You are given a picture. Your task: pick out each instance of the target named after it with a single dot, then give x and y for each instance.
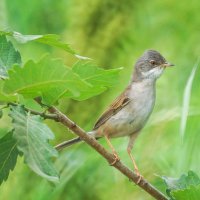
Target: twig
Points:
(60, 117)
(42, 114)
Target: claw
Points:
(138, 175)
(117, 159)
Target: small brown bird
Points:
(129, 112)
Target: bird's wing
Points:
(121, 101)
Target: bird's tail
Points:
(73, 141)
(68, 143)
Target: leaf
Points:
(8, 56)
(32, 137)
(52, 80)
(47, 78)
(49, 39)
(4, 97)
(96, 75)
(183, 184)
(8, 155)
(99, 78)
(191, 193)
(186, 100)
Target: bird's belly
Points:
(129, 120)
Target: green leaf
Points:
(191, 193)
(183, 185)
(8, 56)
(49, 39)
(99, 78)
(31, 104)
(52, 80)
(47, 78)
(32, 137)
(186, 99)
(183, 182)
(8, 155)
(4, 97)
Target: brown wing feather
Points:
(121, 101)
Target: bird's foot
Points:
(116, 159)
(139, 176)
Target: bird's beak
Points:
(167, 64)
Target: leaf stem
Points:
(42, 114)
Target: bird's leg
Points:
(113, 150)
(129, 148)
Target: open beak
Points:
(167, 64)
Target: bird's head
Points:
(150, 66)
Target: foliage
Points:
(51, 80)
(5, 97)
(49, 39)
(99, 78)
(32, 137)
(31, 80)
(9, 154)
(115, 34)
(187, 187)
(8, 56)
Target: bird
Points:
(129, 112)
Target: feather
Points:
(121, 101)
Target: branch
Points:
(91, 141)
(42, 114)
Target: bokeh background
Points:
(114, 33)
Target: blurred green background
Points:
(114, 34)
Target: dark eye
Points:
(153, 62)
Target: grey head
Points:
(150, 66)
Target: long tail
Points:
(74, 141)
(68, 143)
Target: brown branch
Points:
(58, 116)
(91, 141)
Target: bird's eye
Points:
(153, 62)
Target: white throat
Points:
(153, 73)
